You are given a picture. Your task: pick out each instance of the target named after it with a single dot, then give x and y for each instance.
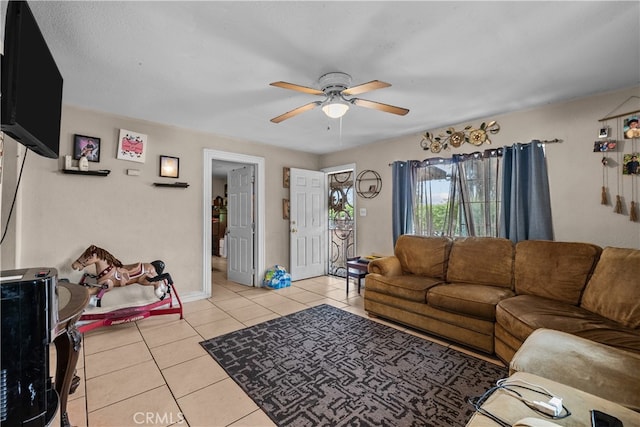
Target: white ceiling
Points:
(207, 65)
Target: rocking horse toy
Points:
(111, 273)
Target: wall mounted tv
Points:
(31, 84)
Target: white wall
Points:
(60, 215)
(575, 171)
(63, 214)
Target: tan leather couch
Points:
(490, 294)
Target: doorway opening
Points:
(214, 159)
(342, 224)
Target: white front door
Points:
(240, 225)
(308, 223)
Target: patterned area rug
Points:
(325, 366)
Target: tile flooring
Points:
(154, 372)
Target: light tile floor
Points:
(155, 373)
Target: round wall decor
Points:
(368, 184)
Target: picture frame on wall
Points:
(88, 146)
(631, 128)
(132, 146)
(169, 167)
(631, 164)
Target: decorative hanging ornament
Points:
(618, 208)
(604, 200)
(632, 166)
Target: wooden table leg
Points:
(347, 280)
(68, 350)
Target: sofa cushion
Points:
(423, 255)
(472, 300)
(469, 261)
(409, 287)
(554, 270)
(589, 366)
(523, 314)
(613, 290)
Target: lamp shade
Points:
(335, 109)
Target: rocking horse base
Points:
(132, 314)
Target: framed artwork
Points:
(285, 208)
(88, 146)
(604, 145)
(631, 164)
(169, 167)
(286, 173)
(631, 128)
(132, 146)
(604, 132)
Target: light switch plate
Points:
(363, 211)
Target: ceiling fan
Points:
(335, 87)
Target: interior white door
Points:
(308, 223)
(240, 225)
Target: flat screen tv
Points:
(31, 84)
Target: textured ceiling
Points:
(207, 65)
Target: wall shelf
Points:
(101, 172)
(173, 185)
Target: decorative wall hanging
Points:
(629, 128)
(132, 146)
(169, 167)
(88, 146)
(630, 164)
(368, 184)
(455, 138)
(604, 145)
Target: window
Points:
(458, 196)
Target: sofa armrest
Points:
(386, 266)
(595, 368)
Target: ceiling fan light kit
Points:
(335, 87)
(335, 108)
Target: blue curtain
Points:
(402, 198)
(526, 204)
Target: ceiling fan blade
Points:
(296, 111)
(365, 87)
(298, 88)
(380, 106)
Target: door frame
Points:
(337, 169)
(209, 155)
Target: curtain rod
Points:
(549, 141)
(545, 141)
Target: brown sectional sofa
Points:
(490, 294)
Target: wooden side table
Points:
(72, 300)
(357, 269)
